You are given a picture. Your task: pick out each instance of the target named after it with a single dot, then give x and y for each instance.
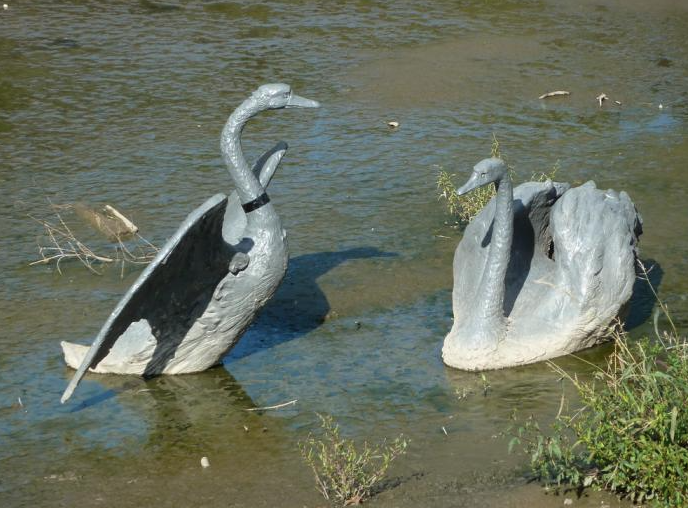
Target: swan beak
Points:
(297, 101)
(473, 183)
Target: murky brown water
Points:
(123, 102)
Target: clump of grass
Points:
(344, 474)
(478, 383)
(464, 208)
(630, 435)
(542, 176)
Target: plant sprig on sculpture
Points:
(344, 474)
(465, 207)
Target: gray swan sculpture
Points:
(541, 272)
(206, 285)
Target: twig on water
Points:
(63, 244)
(554, 94)
(278, 406)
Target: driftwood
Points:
(108, 221)
(554, 94)
(63, 244)
(278, 406)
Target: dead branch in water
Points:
(63, 244)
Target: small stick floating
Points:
(554, 94)
(278, 406)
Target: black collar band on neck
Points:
(261, 200)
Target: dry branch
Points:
(278, 406)
(554, 94)
(63, 244)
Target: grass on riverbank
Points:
(630, 435)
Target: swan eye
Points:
(482, 175)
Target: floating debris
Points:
(278, 406)
(68, 476)
(600, 98)
(393, 125)
(60, 242)
(618, 103)
(554, 94)
(5, 7)
(109, 221)
(205, 462)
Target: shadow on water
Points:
(299, 305)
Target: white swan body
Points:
(540, 272)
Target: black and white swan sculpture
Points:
(541, 272)
(206, 285)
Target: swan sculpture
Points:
(541, 272)
(206, 285)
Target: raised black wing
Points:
(183, 274)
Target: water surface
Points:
(123, 104)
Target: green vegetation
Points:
(344, 474)
(631, 434)
(464, 208)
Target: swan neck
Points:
(492, 284)
(248, 187)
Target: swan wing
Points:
(595, 235)
(171, 286)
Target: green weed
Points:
(464, 208)
(630, 435)
(344, 474)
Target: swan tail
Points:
(595, 235)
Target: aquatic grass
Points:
(630, 435)
(344, 474)
(464, 208)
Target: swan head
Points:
(486, 171)
(278, 96)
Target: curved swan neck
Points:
(247, 185)
(492, 283)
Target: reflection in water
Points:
(185, 411)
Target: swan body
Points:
(541, 272)
(207, 284)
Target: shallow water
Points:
(123, 104)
